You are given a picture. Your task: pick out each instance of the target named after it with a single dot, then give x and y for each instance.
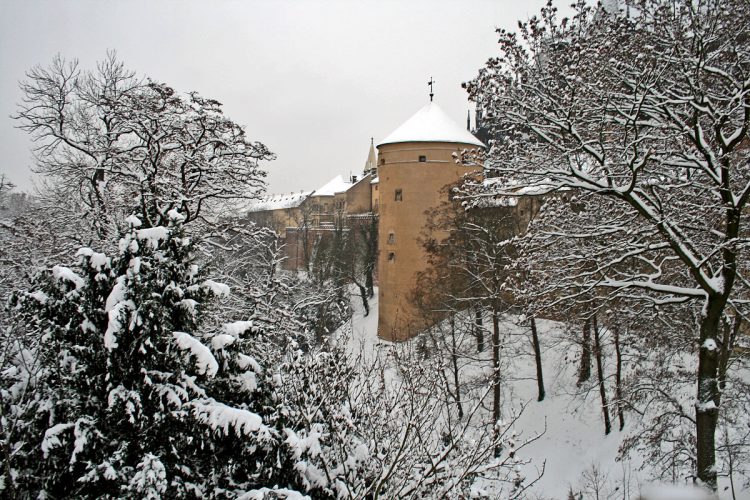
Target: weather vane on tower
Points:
(430, 84)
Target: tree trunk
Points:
(727, 344)
(707, 408)
(618, 378)
(538, 358)
(478, 327)
(369, 282)
(600, 376)
(363, 295)
(496, 372)
(585, 371)
(454, 360)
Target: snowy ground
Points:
(573, 446)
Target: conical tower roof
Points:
(372, 158)
(431, 124)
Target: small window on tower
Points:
(399, 195)
(422, 159)
(391, 238)
(391, 256)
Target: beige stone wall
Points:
(358, 199)
(323, 209)
(421, 185)
(375, 197)
(278, 220)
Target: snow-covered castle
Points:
(401, 181)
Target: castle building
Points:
(407, 177)
(416, 164)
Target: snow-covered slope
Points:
(573, 449)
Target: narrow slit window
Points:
(399, 195)
(391, 256)
(391, 238)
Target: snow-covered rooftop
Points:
(431, 124)
(277, 202)
(335, 185)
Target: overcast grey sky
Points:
(313, 80)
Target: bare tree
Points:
(648, 114)
(537, 360)
(123, 144)
(409, 442)
(600, 375)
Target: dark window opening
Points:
(422, 159)
(399, 195)
(391, 256)
(391, 238)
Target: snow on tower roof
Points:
(431, 124)
(335, 185)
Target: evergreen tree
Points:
(134, 400)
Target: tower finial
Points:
(431, 90)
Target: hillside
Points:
(572, 448)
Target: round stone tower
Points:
(415, 164)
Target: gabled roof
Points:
(431, 124)
(276, 202)
(335, 185)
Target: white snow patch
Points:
(244, 361)
(225, 418)
(67, 274)
(276, 202)
(150, 479)
(335, 185)
(115, 306)
(267, 493)
(431, 124)
(218, 289)
(117, 294)
(301, 443)
(88, 326)
(97, 260)
(237, 328)
(193, 270)
(249, 381)
(710, 344)
(52, 437)
(674, 492)
(189, 305)
(359, 456)
(114, 324)
(133, 221)
(39, 296)
(175, 215)
(153, 235)
(703, 407)
(204, 359)
(222, 340)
